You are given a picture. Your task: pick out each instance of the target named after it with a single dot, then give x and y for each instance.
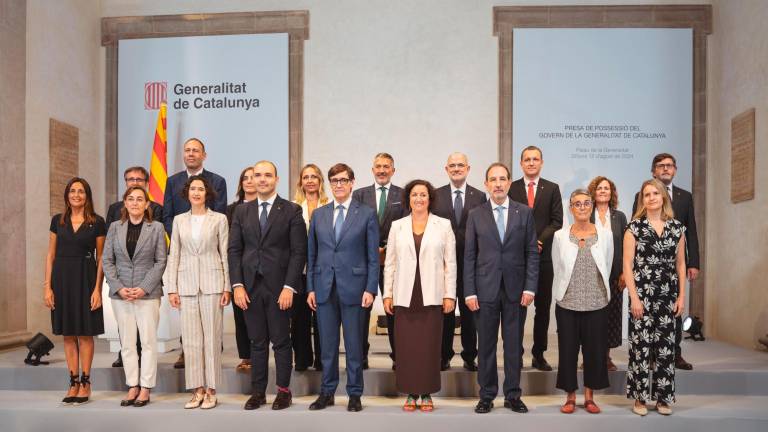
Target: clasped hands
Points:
(131, 294)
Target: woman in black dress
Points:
(654, 255)
(606, 215)
(72, 284)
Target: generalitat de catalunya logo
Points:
(155, 93)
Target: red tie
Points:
(530, 194)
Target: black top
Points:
(132, 237)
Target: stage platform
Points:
(727, 391)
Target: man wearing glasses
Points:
(664, 168)
(133, 176)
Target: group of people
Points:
(319, 261)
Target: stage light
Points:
(38, 346)
(693, 326)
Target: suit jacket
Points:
(547, 210)
(352, 263)
(487, 259)
(394, 210)
(618, 226)
(564, 253)
(113, 213)
(682, 205)
(146, 268)
(278, 254)
(443, 207)
(436, 262)
(202, 268)
(175, 204)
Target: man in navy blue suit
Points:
(173, 202)
(342, 279)
(501, 270)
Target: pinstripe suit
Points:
(199, 273)
(144, 271)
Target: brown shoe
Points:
(680, 363)
(282, 401)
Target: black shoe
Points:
(84, 380)
(74, 381)
(540, 363)
(354, 404)
(516, 405)
(445, 365)
(282, 401)
(470, 365)
(365, 364)
(680, 363)
(129, 402)
(318, 365)
(141, 403)
(393, 365)
(322, 401)
(179, 362)
(256, 400)
(118, 362)
(484, 406)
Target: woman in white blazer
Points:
(582, 255)
(134, 260)
(197, 283)
(419, 287)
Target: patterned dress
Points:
(653, 335)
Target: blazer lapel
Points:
(491, 222)
(274, 214)
(143, 235)
(512, 213)
(429, 231)
(539, 192)
(122, 232)
(354, 208)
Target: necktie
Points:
(382, 203)
(669, 191)
(531, 196)
(458, 207)
(339, 222)
(263, 216)
(500, 221)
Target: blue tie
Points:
(500, 221)
(263, 216)
(458, 207)
(339, 222)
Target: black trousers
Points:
(504, 311)
(367, 319)
(588, 332)
(241, 334)
(542, 301)
(301, 333)
(678, 336)
(468, 330)
(267, 323)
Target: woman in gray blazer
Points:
(134, 261)
(197, 282)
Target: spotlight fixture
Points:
(38, 346)
(693, 326)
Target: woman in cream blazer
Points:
(197, 282)
(419, 287)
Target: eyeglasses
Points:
(341, 181)
(135, 180)
(581, 204)
(665, 165)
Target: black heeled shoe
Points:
(141, 403)
(129, 402)
(79, 400)
(74, 381)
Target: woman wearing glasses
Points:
(582, 255)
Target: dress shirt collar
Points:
(463, 190)
(346, 203)
(534, 180)
(270, 200)
(494, 206)
(198, 172)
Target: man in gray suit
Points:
(501, 269)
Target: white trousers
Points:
(201, 334)
(141, 315)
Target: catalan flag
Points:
(158, 167)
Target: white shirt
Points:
(462, 189)
(505, 216)
(198, 172)
(378, 194)
(599, 222)
(535, 185)
(196, 222)
(669, 191)
(346, 205)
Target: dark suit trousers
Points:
(330, 316)
(390, 324)
(543, 302)
(301, 330)
(241, 333)
(468, 330)
(267, 323)
(504, 311)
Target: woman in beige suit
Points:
(197, 281)
(419, 287)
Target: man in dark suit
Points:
(664, 168)
(342, 274)
(386, 200)
(454, 201)
(267, 252)
(544, 198)
(173, 202)
(501, 266)
(133, 176)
